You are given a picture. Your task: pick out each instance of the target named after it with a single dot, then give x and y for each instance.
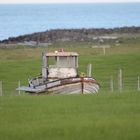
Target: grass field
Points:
(104, 116)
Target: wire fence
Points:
(9, 88)
(126, 84)
(118, 83)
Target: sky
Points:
(64, 1)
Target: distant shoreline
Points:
(64, 35)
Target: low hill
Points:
(72, 35)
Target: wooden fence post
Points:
(89, 70)
(104, 51)
(0, 88)
(111, 84)
(138, 84)
(120, 80)
(19, 87)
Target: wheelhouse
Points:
(60, 64)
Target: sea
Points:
(21, 19)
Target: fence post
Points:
(0, 88)
(89, 70)
(111, 84)
(104, 51)
(138, 84)
(19, 87)
(120, 80)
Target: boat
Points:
(60, 76)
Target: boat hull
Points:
(75, 88)
(81, 85)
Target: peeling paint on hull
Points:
(81, 85)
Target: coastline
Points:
(72, 35)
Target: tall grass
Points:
(102, 116)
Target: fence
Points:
(108, 83)
(9, 88)
(120, 83)
(0, 88)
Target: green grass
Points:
(102, 116)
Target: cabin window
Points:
(52, 61)
(72, 61)
(63, 61)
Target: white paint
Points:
(62, 72)
(52, 84)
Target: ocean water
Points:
(23, 19)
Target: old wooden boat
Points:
(60, 76)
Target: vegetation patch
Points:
(103, 116)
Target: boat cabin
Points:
(59, 64)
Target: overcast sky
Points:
(64, 1)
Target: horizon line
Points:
(70, 2)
